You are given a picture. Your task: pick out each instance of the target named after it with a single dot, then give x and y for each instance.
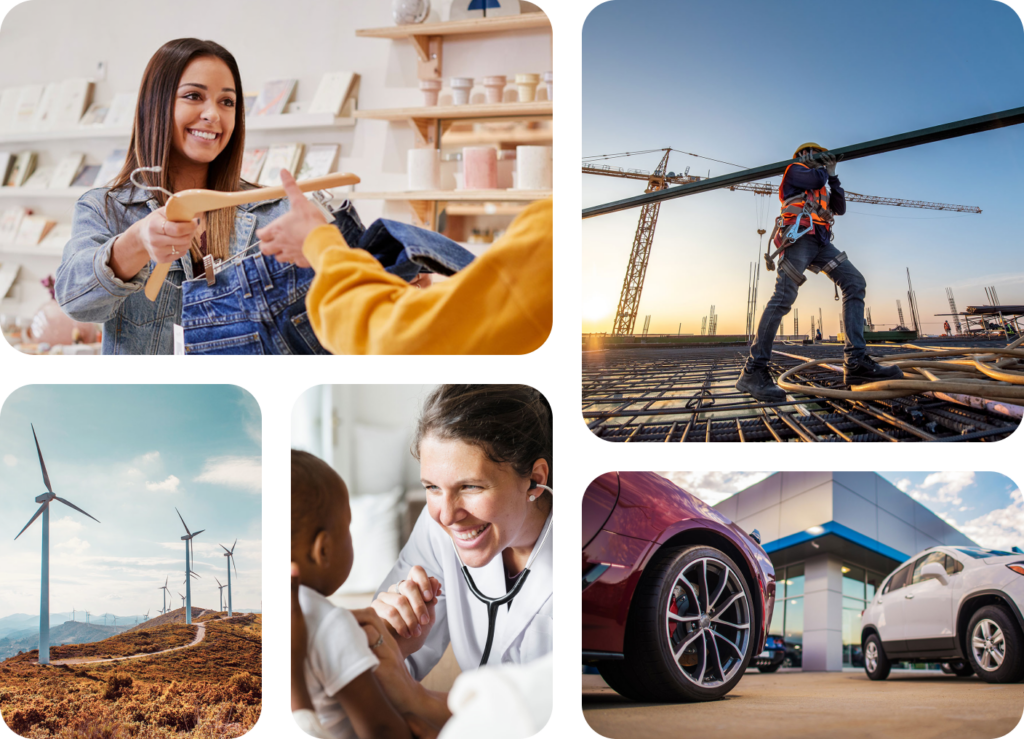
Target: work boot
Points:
(759, 383)
(866, 369)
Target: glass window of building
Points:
(858, 589)
(788, 617)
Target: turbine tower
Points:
(183, 605)
(220, 592)
(165, 594)
(188, 567)
(230, 554)
(44, 590)
(146, 617)
(87, 617)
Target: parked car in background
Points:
(772, 656)
(960, 606)
(676, 598)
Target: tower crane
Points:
(636, 270)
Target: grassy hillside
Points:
(211, 690)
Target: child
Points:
(339, 664)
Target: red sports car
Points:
(676, 598)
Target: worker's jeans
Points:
(806, 251)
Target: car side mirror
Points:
(934, 571)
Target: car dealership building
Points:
(833, 537)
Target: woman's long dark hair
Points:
(511, 423)
(153, 134)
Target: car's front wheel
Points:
(995, 646)
(876, 664)
(689, 630)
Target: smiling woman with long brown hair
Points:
(189, 121)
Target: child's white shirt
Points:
(336, 654)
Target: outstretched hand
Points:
(283, 237)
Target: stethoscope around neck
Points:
(493, 604)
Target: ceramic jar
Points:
(527, 84)
(533, 167)
(461, 87)
(495, 86)
(409, 11)
(430, 89)
(480, 166)
(424, 169)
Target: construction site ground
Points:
(687, 394)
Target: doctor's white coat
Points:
(522, 633)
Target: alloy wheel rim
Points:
(708, 622)
(988, 645)
(871, 657)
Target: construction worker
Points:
(806, 200)
(948, 330)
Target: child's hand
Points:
(408, 609)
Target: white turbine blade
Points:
(233, 546)
(183, 521)
(69, 503)
(234, 565)
(224, 548)
(199, 532)
(46, 478)
(41, 509)
(166, 578)
(218, 582)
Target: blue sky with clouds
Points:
(128, 455)
(986, 506)
(746, 82)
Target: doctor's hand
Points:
(400, 687)
(408, 609)
(283, 237)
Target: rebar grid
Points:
(687, 394)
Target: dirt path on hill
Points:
(200, 635)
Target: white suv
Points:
(960, 606)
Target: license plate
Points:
(767, 654)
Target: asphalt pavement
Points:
(790, 704)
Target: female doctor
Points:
(485, 534)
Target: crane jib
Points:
(966, 127)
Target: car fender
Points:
(962, 618)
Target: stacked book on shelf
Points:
(21, 227)
(20, 170)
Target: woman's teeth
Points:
(470, 535)
(205, 135)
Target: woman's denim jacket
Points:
(88, 290)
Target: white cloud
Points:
(170, 485)
(235, 472)
(714, 487)
(904, 484)
(949, 485)
(149, 457)
(999, 529)
(74, 545)
(65, 526)
(10, 460)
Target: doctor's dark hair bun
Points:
(511, 423)
(317, 490)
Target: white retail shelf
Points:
(30, 250)
(35, 193)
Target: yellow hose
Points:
(989, 379)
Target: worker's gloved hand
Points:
(828, 161)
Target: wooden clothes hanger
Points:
(185, 205)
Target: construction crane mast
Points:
(640, 254)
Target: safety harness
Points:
(812, 206)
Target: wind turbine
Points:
(115, 620)
(73, 612)
(188, 568)
(146, 618)
(44, 594)
(230, 554)
(183, 605)
(87, 617)
(220, 592)
(165, 592)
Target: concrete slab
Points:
(791, 704)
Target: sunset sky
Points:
(742, 82)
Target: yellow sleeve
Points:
(499, 304)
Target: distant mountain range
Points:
(69, 632)
(20, 626)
